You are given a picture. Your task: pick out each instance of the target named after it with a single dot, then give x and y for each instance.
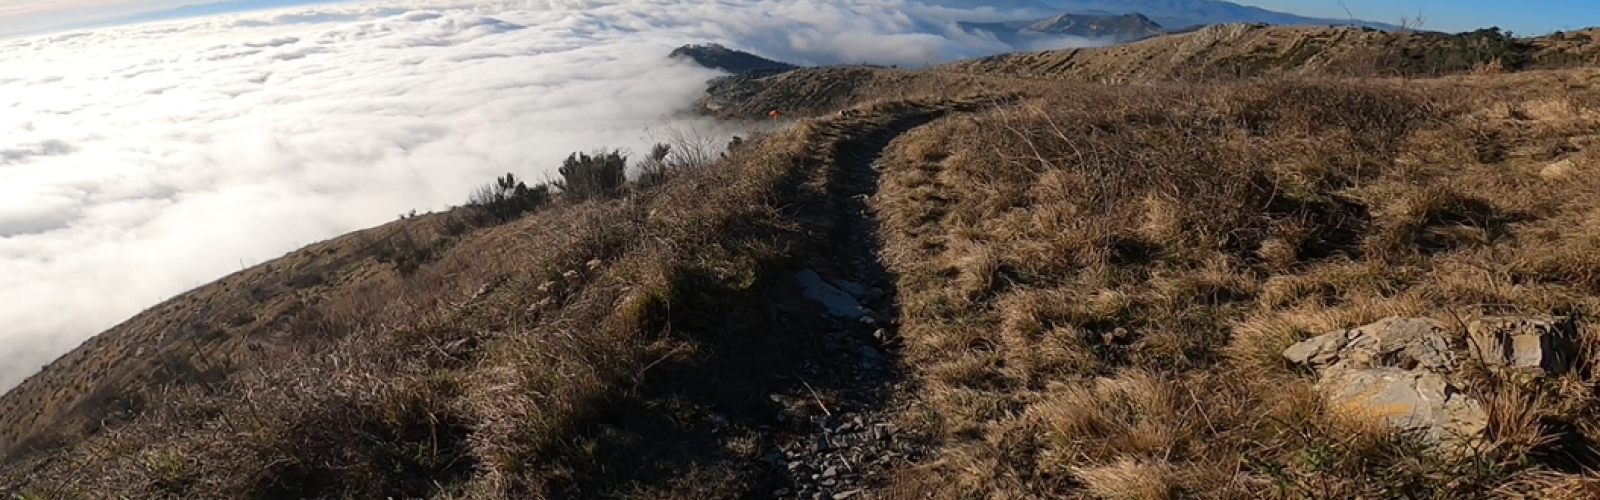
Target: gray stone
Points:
(838, 303)
(1412, 400)
(1533, 345)
(856, 290)
(873, 294)
(1389, 342)
(843, 495)
(868, 352)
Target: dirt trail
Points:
(838, 445)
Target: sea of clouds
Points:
(138, 162)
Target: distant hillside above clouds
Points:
(1186, 14)
(1168, 16)
(1218, 51)
(1115, 29)
(716, 56)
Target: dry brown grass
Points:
(1094, 282)
(612, 348)
(1097, 283)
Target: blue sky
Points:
(1524, 17)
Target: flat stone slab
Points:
(1393, 341)
(838, 303)
(1410, 400)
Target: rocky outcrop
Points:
(1399, 370)
(1395, 370)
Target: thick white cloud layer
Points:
(138, 162)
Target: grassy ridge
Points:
(1094, 284)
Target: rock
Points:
(1535, 345)
(854, 289)
(1412, 400)
(843, 495)
(1395, 370)
(869, 353)
(873, 294)
(1558, 169)
(831, 472)
(839, 304)
(1389, 342)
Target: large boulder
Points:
(1391, 342)
(1524, 345)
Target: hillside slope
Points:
(1215, 52)
(1241, 50)
(1098, 285)
(1051, 288)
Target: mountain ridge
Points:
(1050, 262)
(1184, 14)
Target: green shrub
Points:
(508, 198)
(601, 175)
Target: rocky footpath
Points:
(841, 444)
(834, 450)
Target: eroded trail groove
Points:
(839, 444)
